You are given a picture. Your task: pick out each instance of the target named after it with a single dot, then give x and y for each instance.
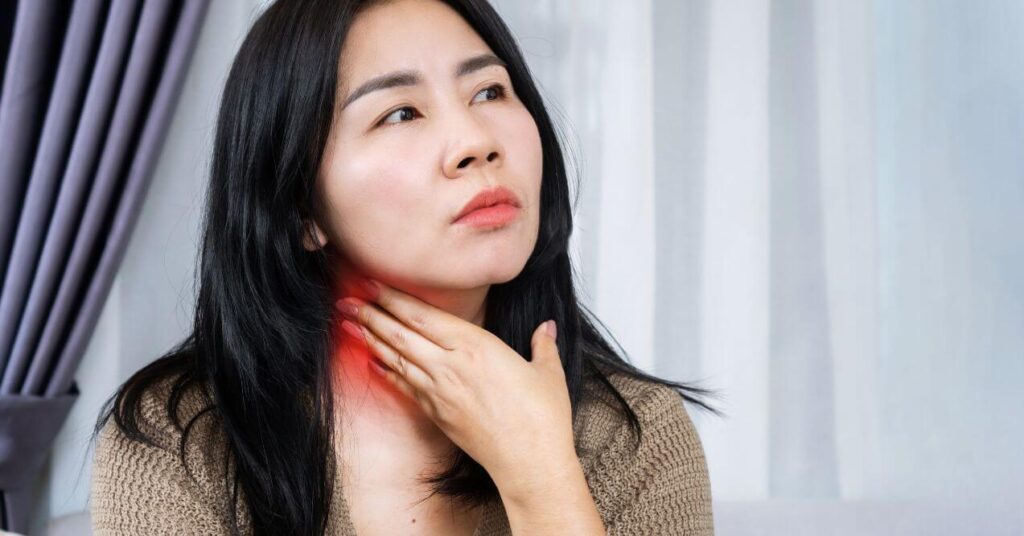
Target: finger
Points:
(406, 341)
(439, 326)
(544, 348)
(399, 370)
(393, 378)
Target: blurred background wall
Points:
(810, 205)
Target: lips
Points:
(488, 198)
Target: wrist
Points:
(558, 503)
(543, 483)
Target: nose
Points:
(473, 146)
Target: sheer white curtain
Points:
(810, 205)
(813, 206)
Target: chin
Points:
(496, 261)
(509, 268)
(492, 269)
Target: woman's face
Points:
(402, 161)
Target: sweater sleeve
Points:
(142, 489)
(670, 489)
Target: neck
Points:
(371, 410)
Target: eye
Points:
(385, 121)
(497, 89)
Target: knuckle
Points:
(419, 321)
(449, 375)
(470, 347)
(398, 339)
(476, 350)
(466, 355)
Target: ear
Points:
(313, 234)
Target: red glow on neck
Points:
(352, 360)
(350, 354)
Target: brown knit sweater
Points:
(662, 489)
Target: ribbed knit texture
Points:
(661, 489)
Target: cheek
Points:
(525, 149)
(375, 195)
(377, 179)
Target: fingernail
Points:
(552, 329)
(352, 329)
(347, 308)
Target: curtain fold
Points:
(801, 393)
(83, 113)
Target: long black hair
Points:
(260, 342)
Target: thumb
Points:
(544, 345)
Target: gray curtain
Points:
(87, 89)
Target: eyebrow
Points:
(412, 78)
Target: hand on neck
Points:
(374, 409)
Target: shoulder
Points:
(658, 408)
(162, 412)
(663, 478)
(143, 484)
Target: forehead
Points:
(424, 35)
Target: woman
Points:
(359, 322)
